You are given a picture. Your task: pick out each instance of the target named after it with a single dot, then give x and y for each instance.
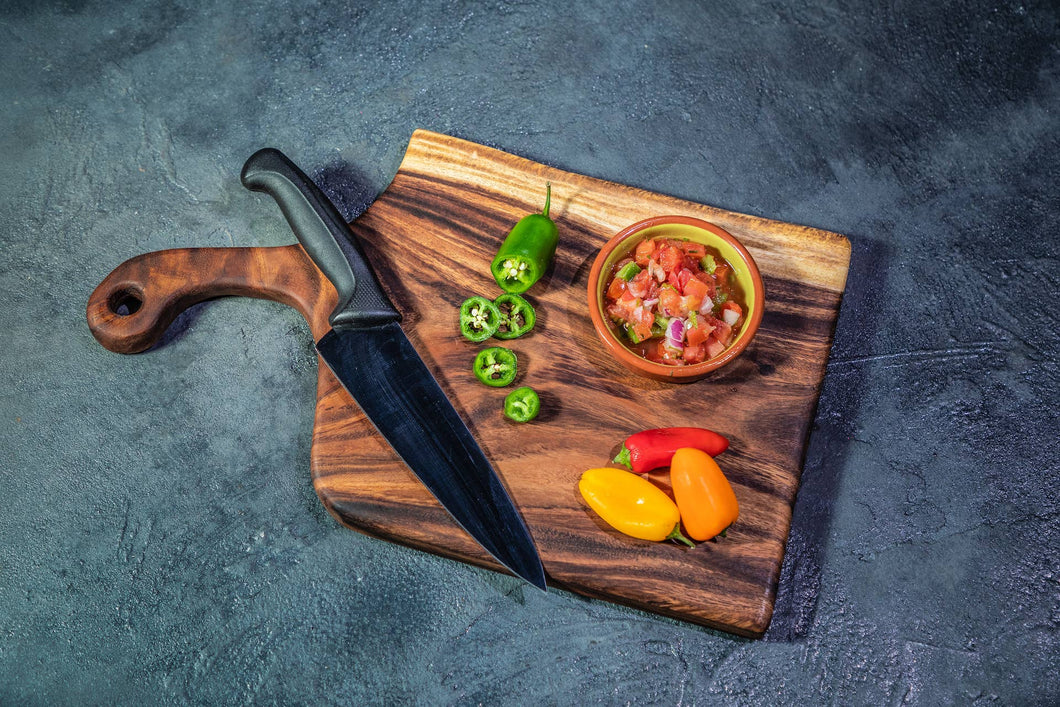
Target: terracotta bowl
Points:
(748, 279)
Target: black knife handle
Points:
(325, 236)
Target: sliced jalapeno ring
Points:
(516, 316)
(479, 319)
(522, 404)
(496, 366)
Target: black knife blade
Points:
(377, 364)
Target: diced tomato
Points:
(714, 347)
(698, 334)
(683, 276)
(618, 311)
(640, 283)
(721, 274)
(623, 307)
(695, 291)
(652, 350)
(694, 354)
(674, 279)
(642, 322)
(669, 357)
(707, 280)
(695, 287)
(616, 288)
(732, 306)
(630, 310)
(644, 252)
(723, 332)
(670, 258)
(693, 249)
(671, 304)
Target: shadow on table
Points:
(842, 394)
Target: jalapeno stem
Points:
(548, 198)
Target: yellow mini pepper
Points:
(632, 505)
(706, 501)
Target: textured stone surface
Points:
(160, 541)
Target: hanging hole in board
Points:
(125, 302)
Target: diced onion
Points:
(675, 333)
(656, 271)
(707, 306)
(730, 316)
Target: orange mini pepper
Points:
(704, 497)
(632, 505)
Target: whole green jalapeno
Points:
(527, 251)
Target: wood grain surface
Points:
(430, 236)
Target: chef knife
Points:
(377, 364)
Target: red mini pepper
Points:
(652, 449)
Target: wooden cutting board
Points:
(430, 236)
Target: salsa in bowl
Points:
(675, 297)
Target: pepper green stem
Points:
(676, 534)
(623, 458)
(548, 198)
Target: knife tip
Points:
(536, 579)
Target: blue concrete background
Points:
(160, 541)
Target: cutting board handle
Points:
(133, 306)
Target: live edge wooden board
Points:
(430, 236)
